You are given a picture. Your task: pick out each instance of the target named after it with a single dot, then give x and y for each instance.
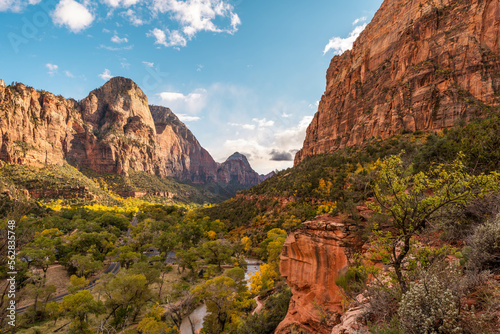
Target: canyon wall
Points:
(112, 130)
(418, 65)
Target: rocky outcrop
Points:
(36, 127)
(418, 65)
(310, 261)
(112, 130)
(236, 169)
(120, 132)
(182, 155)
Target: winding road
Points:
(113, 267)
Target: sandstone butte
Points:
(113, 129)
(418, 65)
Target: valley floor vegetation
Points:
(429, 260)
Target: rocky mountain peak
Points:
(236, 168)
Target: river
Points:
(201, 311)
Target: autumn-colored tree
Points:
(413, 200)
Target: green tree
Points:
(79, 306)
(84, 265)
(223, 300)
(413, 200)
(217, 252)
(126, 294)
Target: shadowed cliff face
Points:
(183, 156)
(419, 65)
(110, 131)
(237, 169)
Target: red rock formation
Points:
(112, 130)
(310, 261)
(418, 65)
(182, 155)
(237, 169)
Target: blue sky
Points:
(244, 75)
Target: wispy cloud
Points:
(148, 64)
(69, 74)
(167, 38)
(16, 5)
(120, 3)
(188, 118)
(359, 19)
(113, 48)
(131, 15)
(118, 40)
(106, 75)
(340, 45)
(191, 103)
(52, 68)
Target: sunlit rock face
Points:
(418, 65)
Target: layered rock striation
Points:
(418, 65)
(310, 261)
(112, 130)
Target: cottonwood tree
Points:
(413, 200)
(79, 306)
(224, 302)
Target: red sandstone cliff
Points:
(418, 65)
(112, 130)
(310, 261)
(183, 156)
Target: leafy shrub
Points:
(429, 307)
(485, 246)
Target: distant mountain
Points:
(112, 130)
(236, 169)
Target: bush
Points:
(429, 307)
(485, 246)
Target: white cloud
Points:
(174, 37)
(133, 18)
(148, 64)
(72, 14)
(244, 126)
(106, 75)
(16, 5)
(188, 118)
(120, 3)
(263, 122)
(194, 16)
(112, 48)
(340, 45)
(359, 19)
(118, 40)
(69, 74)
(199, 68)
(52, 68)
(191, 103)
